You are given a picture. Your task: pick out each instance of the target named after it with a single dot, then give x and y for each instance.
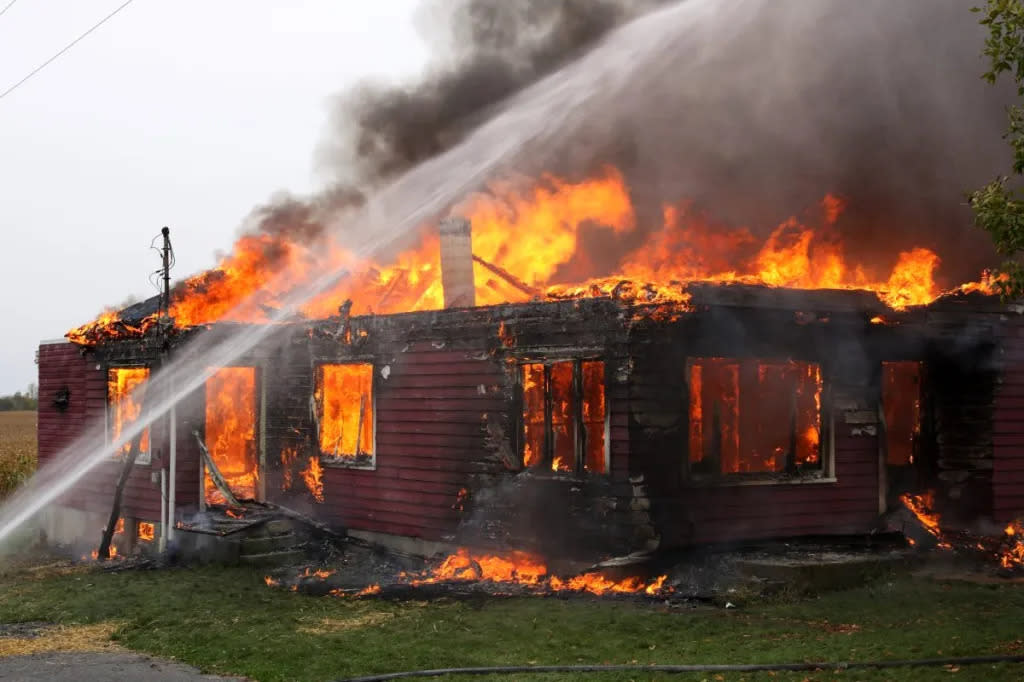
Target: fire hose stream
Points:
(694, 668)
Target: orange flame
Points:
(288, 457)
(313, 476)
(554, 222)
(147, 531)
(344, 399)
(1012, 557)
(522, 568)
(231, 431)
(126, 387)
(922, 506)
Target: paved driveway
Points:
(98, 667)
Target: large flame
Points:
(522, 568)
(231, 431)
(126, 387)
(923, 507)
(313, 476)
(344, 400)
(537, 242)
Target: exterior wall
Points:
(848, 505)
(447, 466)
(84, 374)
(689, 511)
(429, 439)
(62, 365)
(1008, 425)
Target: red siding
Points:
(429, 438)
(1008, 427)
(63, 364)
(731, 513)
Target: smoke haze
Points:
(753, 110)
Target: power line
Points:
(66, 47)
(4, 10)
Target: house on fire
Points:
(574, 427)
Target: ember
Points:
(1013, 556)
(147, 531)
(288, 457)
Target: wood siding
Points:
(1008, 426)
(65, 364)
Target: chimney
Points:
(457, 263)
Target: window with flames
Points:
(564, 418)
(126, 387)
(345, 413)
(755, 416)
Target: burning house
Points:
(714, 390)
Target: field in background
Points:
(17, 449)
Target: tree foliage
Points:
(19, 401)
(998, 206)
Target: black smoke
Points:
(753, 110)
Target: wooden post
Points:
(115, 510)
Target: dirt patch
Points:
(328, 626)
(23, 639)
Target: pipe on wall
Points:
(173, 418)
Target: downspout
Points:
(174, 473)
(163, 510)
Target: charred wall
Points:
(963, 370)
(447, 463)
(739, 323)
(1008, 419)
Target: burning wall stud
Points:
(126, 387)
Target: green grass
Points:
(227, 621)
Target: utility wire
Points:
(4, 10)
(66, 47)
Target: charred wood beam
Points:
(215, 475)
(115, 509)
(510, 278)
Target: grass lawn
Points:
(228, 621)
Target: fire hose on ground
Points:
(694, 668)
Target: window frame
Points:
(145, 457)
(826, 473)
(579, 425)
(369, 462)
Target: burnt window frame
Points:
(260, 396)
(579, 441)
(826, 473)
(144, 458)
(363, 461)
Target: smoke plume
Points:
(753, 110)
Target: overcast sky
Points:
(184, 113)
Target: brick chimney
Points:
(457, 263)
